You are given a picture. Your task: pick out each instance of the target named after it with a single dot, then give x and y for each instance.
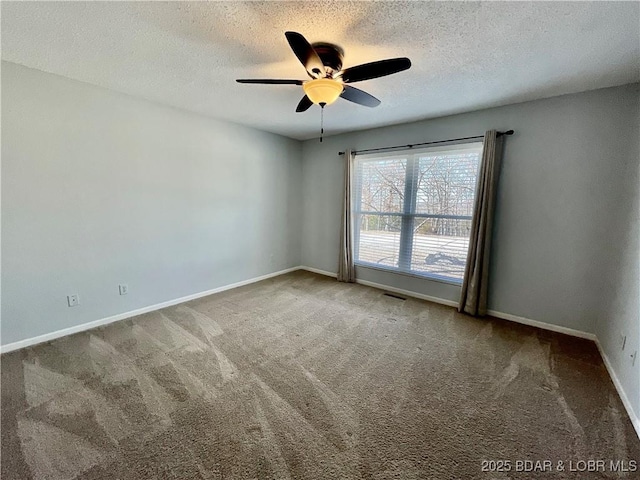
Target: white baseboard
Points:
(505, 316)
(543, 325)
(121, 316)
(408, 293)
(523, 320)
(451, 303)
(318, 271)
(635, 420)
(386, 288)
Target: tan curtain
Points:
(473, 299)
(346, 270)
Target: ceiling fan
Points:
(323, 62)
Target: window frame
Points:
(408, 214)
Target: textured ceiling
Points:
(465, 55)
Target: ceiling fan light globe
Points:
(323, 90)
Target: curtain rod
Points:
(499, 134)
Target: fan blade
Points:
(306, 54)
(377, 69)
(304, 104)
(269, 81)
(356, 95)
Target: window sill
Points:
(431, 278)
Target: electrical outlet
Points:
(73, 300)
(123, 288)
(623, 341)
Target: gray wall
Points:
(621, 309)
(566, 245)
(99, 188)
(558, 188)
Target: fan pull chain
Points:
(321, 122)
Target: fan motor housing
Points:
(331, 56)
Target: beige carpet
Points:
(300, 377)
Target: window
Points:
(412, 210)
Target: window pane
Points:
(447, 183)
(440, 246)
(426, 233)
(379, 239)
(382, 185)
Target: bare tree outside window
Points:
(413, 210)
